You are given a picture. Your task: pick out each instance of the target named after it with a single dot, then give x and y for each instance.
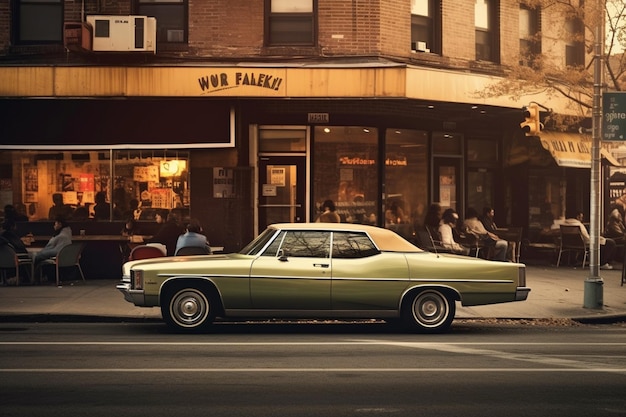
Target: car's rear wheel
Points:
(188, 308)
(429, 311)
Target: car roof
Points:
(385, 239)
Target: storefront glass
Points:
(345, 161)
(84, 185)
(406, 174)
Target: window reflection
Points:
(79, 184)
(346, 171)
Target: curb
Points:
(77, 318)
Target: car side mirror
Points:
(282, 256)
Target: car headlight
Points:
(137, 279)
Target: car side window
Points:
(272, 249)
(353, 245)
(306, 244)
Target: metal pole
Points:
(593, 294)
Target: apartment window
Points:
(529, 35)
(290, 22)
(171, 17)
(485, 20)
(38, 21)
(426, 26)
(574, 46)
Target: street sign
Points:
(614, 116)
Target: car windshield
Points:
(259, 243)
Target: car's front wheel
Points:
(429, 311)
(188, 308)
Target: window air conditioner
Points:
(123, 33)
(419, 46)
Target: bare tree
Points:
(571, 22)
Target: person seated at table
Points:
(11, 213)
(130, 229)
(474, 226)
(607, 245)
(446, 231)
(169, 231)
(193, 236)
(10, 237)
(61, 237)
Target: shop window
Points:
(345, 170)
(38, 21)
(482, 151)
(406, 179)
(171, 17)
(290, 22)
(72, 182)
(156, 180)
(426, 26)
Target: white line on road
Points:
(315, 370)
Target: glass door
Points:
(282, 190)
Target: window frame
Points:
(574, 49)
(18, 13)
(432, 24)
(490, 35)
(530, 44)
(271, 18)
(139, 10)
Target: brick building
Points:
(246, 112)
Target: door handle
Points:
(321, 265)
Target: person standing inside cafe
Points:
(169, 231)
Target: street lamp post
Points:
(594, 291)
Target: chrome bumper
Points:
(521, 293)
(136, 297)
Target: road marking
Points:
(515, 356)
(346, 343)
(311, 370)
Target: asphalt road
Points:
(479, 369)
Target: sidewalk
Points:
(556, 293)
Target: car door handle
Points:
(321, 265)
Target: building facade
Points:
(244, 113)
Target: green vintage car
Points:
(321, 270)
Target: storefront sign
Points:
(568, 150)
(356, 160)
(318, 118)
(614, 116)
(229, 79)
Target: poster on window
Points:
(277, 176)
(223, 183)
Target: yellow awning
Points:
(572, 149)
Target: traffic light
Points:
(532, 125)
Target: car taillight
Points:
(137, 277)
(522, 276)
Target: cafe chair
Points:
(145, 252)
(10, 260)
(68, 257)
(572, 240)
(193, 250)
